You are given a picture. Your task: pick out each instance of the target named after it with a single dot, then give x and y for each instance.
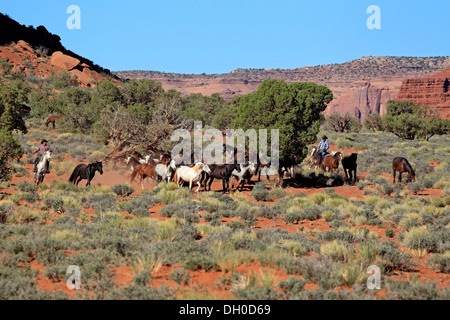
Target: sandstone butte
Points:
(432, 91)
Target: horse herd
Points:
(165, 169)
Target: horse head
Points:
(99, 167)
(206, 168)
(313, 150)
(128, 160)
(412, 175)
(172, 164)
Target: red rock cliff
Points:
(432, 91)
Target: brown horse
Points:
(52, 120)
(331, 162)
(349, 164)
(144, 170)
(402, 165)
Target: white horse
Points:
(165, 171)
(41, 168)
(240, 175)
(188, 174)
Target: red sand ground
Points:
(210, 280)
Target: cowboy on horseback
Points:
(323, 147)
(43, 147)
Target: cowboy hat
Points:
(43, 141)
(324, 137)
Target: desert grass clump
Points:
(441, 262)
(420, 238)
(411, 220)
(71, 235)
(293, 215)
(180, 276)
(415, 187)
(368, 252)
(294, 248)
(25, 186)
(277, 193)
(337, 251)
(23, 215)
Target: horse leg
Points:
(211, 178)
(223, 186)
(393, 174)
(400, 177)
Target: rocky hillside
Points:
(360, 86)
(35, 50)
(432, 91)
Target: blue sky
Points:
(196, 36)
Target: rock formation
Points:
(432, 91)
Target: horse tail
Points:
(74, 174)
(175, 177)
(133, 174)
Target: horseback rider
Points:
(43, 147)
(323, 147)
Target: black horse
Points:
(350, 165)
(83, 171)
(223, 172)
(402, 165)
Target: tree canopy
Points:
(295, 109)
(410, 121)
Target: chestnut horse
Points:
(331, 162)
(144, 170)
(51, 120)
(402, 165)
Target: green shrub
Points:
(122, 190)
(260, 194)
(198, 262)
(180, 276)
(415, 187)
(440, 261)
(25, 186)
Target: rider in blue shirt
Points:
(323, 147)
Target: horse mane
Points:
(408, 166)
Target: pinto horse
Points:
(249, 166)
(402, 165)
(191, 175)
(165, 171)
(349, 164)
(83, 171)
(42, 167)
(316, 158)
(331, 162)
(135, 160)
